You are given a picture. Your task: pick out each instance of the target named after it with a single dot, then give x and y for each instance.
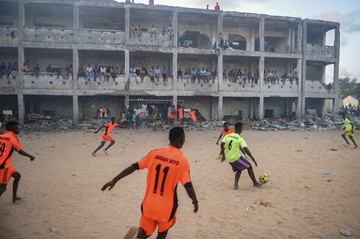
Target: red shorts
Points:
(149, 225)
(5, 174)
(106, 138)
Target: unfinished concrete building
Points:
(223, 63)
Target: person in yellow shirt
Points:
(234, 150)
(348, 130)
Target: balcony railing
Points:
(199, 86)
(48, 35)
(318, 87)
(233, 84)
(8, 33)
(283, 87)
(10, 82)
(137, 83)
(101, 37)
(47, 81)
(327, 51)
(151, 40)
(102, 83)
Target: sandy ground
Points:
(62, 197)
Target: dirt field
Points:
(62, 197)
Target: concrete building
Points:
(282, 60)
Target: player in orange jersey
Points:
(166, 167)
(8, 143)
(106, 136)
(225, 131)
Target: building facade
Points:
(223, 63)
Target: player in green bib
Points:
(348, 130)
(233, 150)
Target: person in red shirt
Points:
(181, 114)
(166, 167)
(217, 7)
(8, 143)
(106, 136)
(225, 131)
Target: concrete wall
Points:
(60, 105)
(314, 72)
(245, 64)
(8, 14)
(46, 15)
(277, 105)
(151, 59)
(8, 55)
(232, 106)
(88, 105)
(280, 65)
(102, 18)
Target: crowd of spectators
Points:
(154, 73)
(9, 70)
(350, 110)
(241, 77)
(272, 77)
(97, 72)
(137, 31)
(201, 75)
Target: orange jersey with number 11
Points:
(166, 167)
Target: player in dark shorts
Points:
(233, 150)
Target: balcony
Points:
(48, 81)
(101, 37)
(148, 39)
(8, 82)
(318, 87)
(240, 85)
(146, 84)
(8, 33)
(48, 35)
(198, 86)
(101, 83)
(318, 50)
(282, 87)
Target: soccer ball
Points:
(264, 178)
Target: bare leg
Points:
(16, 177)
(352, 139)
(252, 176)
(141, 234)
(237, 179)
(98, 148)
(111, 144)
(343, 135)
(162, 235)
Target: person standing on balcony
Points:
(217, 7)
(37, 70)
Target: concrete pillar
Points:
(323, 73)
(220, 26)
(76, 17)
(21, 107)
(323, 109)
(261, 73)
(303, 83)
(21, 60)
(262, 33)
(299, 39)
(261, 107)
(175, 28)
(252, 108)
(21, 20)
(298, 108)
(127, 24)
(174, 68)
(175, 101)
(337, 103)
(220, 107)
(75, 67)
(299, 73)
(303, 106)
(75, 109)
(220, 69)
(127, 101)
(252, 40)
(304, 36)
(127, 67)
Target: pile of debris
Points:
(38, 122)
